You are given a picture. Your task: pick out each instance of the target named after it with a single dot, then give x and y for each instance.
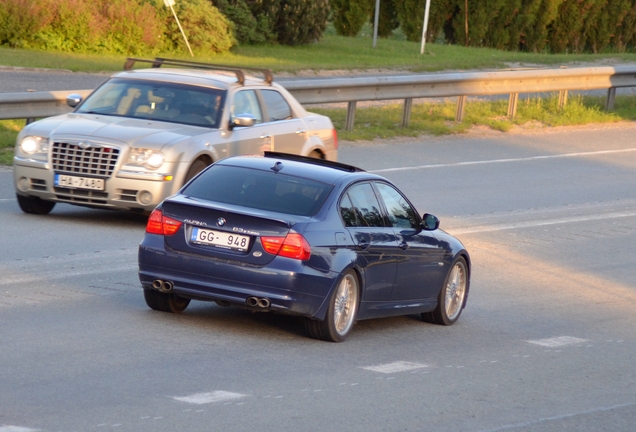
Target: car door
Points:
(288, 133)
(375, 242)
(253, 139)
(420, 266)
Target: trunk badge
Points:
(220, 221)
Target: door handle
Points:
(300, 131)
(265, 136)
(364, 245)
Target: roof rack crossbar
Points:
(238, 71)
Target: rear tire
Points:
(196, 167)
(34, 205)
(342, 311)
(165, 302)
(450, 301)
(315, 154)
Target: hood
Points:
(115, 130)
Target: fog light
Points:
(23, 184)
(145, 197)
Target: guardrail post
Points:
(351, 116)
(512, 105)
(461, 107)
(406, 114)
(563, 98)
(611, 96)
(30, 120)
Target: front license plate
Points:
(220, 239)
(79, 182)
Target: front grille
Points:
(81, 196)
(93, 160)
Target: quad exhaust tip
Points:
(163, 286)
(258, 302)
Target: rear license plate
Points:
(220, 239)
(79, 182)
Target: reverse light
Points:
(160, 224)
(293, 246)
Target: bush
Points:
(350, 15)
(301, 21)
(116, 26)
(411, 18)
(388, 19)
(205, 27)
(248, 28)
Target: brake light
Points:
(160, 224)
(335, 138)
(293, 246)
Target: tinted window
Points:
(365, 206)
(347, 213)
(277, 106)
(154, 100)
(260, 190)
(246, 102)
(401, 214)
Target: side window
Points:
(365, 206)
(277, 106)
(246, 102)
(347, 212)
(401, 214)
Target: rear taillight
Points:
(335, 138)
(293, 246)
(160, 224)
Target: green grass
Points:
(439, 118)
(8, 132)
(332, 52)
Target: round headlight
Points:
(29, 145)
(155, 160)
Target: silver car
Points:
(144, 133)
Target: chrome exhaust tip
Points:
(252, 301)
(264, 302)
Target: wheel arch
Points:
(322, 310)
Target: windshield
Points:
(154, 100)
(259, 190)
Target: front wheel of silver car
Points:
(165, 302)
(196, 167)
(450, 301)
(34, 205)
(342, 311)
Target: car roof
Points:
(201, 77)
(315, 169)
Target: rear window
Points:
(259, 190)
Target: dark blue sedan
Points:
(301, 236)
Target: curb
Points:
(32, 69)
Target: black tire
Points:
(315, 154)
(35, 205)
(452, 296)
(342, 311)
(165, 302)
(196, 167)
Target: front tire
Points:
(450, 301)
(165, 302)
(34, 205)
(196, 167)
(342, 311)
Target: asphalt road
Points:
(546, 343)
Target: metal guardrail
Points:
(405, 87)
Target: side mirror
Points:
(243, 120)
(430, 222)
(73, 100)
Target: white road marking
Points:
(534, 224)
(399, 366)
(16, 429)
(3, 200)
(211, 397)
(557, 341)
(492, 161)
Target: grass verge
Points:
(8, 132)
(329, 53)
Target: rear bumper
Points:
(291, 286)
